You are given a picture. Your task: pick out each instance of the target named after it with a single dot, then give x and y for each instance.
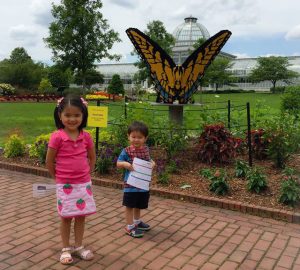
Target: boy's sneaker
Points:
(134, 232)
(143, 226)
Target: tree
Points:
(116, 85)
(20, 71)
(157, 32)
(80, 35)
(272, 69)
(19, 56)
(59, 77)
(45, 86)
(92, 77)
(217, 73)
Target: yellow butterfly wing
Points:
(159, 62)
(195, 65)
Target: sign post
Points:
(97, 118)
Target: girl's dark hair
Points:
(138, 126)
(70, 100)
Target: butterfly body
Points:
(176, 82)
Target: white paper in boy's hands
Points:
(40, 190)
(141, 176)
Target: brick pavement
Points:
(184, 235)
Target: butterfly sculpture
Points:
(176, 82)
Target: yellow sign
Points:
(97, 116)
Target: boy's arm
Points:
(125, 165)
(92, 158)
(50, 161)
(153, 164)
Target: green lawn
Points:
(33, 119)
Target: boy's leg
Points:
(136, 213)
(129, 215)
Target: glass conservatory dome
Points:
(187, 33)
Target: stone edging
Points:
(288, 216)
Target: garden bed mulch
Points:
(239, 198)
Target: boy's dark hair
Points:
(70, 100)
(138, 126)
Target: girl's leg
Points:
(65, 229)
(79, 230)
(80, 251)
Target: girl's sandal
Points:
(84, 254)
(65, 256)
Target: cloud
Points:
(124, 3)
(294, 33)
(24, 34)
(41, 12)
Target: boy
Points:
(135, 199)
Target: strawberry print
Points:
(59, 205)
(67, 188)
(89, 190)
(80, 204)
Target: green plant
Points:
(256, 180)
(218, 183)
(290, 188)
(282, 134)
(290, 102)
(163, 174)
(39, 148)
(172, 141)
(241, 168)
(15, 147)
(206, 172)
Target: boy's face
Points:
(137, 139)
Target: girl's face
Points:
(71, 117)
(137, 139)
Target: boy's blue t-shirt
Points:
(127, 188)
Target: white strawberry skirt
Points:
(74, 200)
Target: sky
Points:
(259, 27)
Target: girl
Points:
(70, 159)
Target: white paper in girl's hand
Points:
(41, 190)
(141, 176)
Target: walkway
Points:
(184, 235)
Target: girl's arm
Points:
(50, 161)
(92, 158)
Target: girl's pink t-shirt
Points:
(72, 164)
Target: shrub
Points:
(259, 143)
(106, 157)
(15, 147)
(283, 138)
(163, 176)
(241, 169)
(290, 101)
(216, 144)
(256, 180)
(7, 89)
(39, 148)
(290, 189)
(277, 90)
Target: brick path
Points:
(184, 235)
